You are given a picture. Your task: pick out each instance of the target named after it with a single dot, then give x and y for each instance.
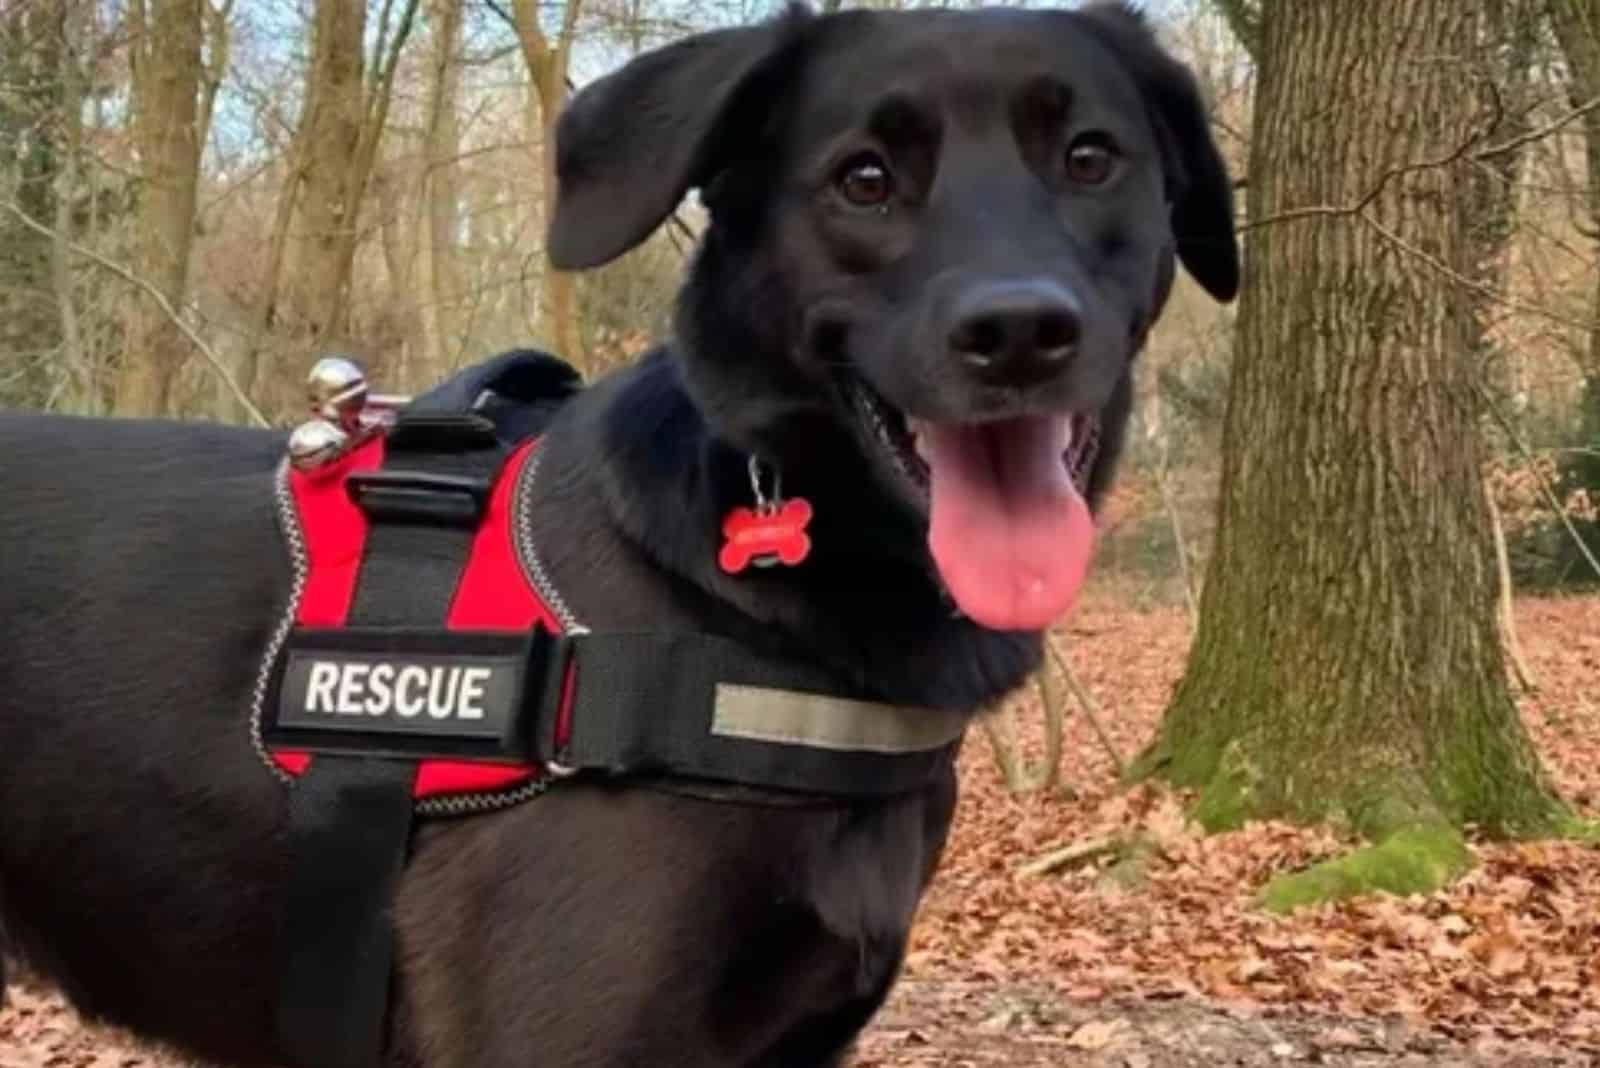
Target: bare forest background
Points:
(197, 197)
(200, 197)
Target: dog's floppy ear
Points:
(631, 144)
(1198, 184)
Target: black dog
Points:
(938, 240)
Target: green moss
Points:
(1147, 765)
(1494, 780)
(1415, 860)
(1580, 830)
(1229, 798)
(1193, 739)
(1193, 759)
(1388, 805)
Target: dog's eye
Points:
(1091, 160)
(865, 182)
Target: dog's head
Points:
(943, 234)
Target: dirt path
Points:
(971, 1025)
(933, 1024)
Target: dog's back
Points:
(138, 572)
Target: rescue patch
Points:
(413, 692)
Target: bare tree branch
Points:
(155, 295)
(217, 36)
(1539, 133)
(1455, 155)
(381, 92)
(1544, 484)
(1462, 152)
(1473, 284)
(379, 50)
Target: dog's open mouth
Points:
(1008, 526)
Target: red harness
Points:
(409, 551)
(494, 595)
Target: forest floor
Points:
(1157, 956)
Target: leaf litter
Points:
(1505, 960)
(1153, 953)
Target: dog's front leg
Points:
(609, 928)
(587, 928)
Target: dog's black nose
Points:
(1014, 333)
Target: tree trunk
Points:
(1577, 26)
(346, 111)
(331, 126)
(405, 367)
(438, 202)
(1508, 38)
(31, 49)
(167, 75)
(1346, 665)
(267, 302)
(82, 389)
(547, 64)
(40, 146)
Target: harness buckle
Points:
(420, 496)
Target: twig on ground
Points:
(1087, 703)
(1069, 856)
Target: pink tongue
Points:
(1010, 533)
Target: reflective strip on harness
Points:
(819, 721)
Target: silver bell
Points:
(315, 443)
(337, 387)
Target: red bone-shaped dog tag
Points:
(765, 537)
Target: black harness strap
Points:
(350, 816)
(350, 821)
(699, 706)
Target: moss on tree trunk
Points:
(1346, 665)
